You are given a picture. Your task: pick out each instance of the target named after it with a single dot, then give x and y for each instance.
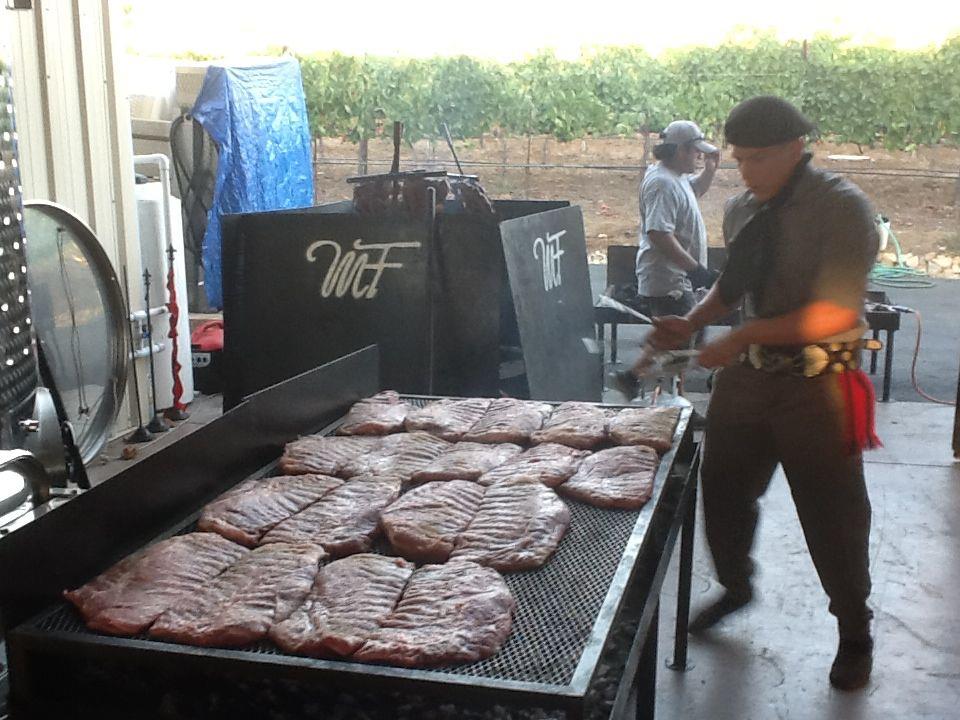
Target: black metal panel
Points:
(546, 257)
(67, 546)
(469, 281)
(509, 330)
(294, 297)
(512, 209)
(284, 313)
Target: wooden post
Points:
(646, 153)
(362, 156)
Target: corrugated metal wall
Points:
(73, 121)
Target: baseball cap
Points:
(680, 132)
(763, 121)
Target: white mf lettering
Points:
(353, 271)
(549, 253)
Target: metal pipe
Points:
(163, 162)
(931, 174)
(154, 312)
(143, 352)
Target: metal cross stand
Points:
(156, 423)
(141, 434)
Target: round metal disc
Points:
(78, 315)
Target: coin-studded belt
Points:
(809, 360)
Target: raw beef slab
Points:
(509, 421)
(447, 418)
(349, 600)
(466, 461)
(324, 455)
(621, 477)
(128, 597)
(518, 526)
(549, 463)
(458, 612)
(423, 524)
(240, 605)
(398, 456)
(344, 522)
(576, 424)
(380, 414)
(247, 512)
(652, 427)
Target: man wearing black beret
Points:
(801, 243)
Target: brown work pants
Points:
(757, 420)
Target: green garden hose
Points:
(898, 275)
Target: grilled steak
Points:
(425, 522)
(652, 427)
(128, 597)
(577, 424)
(447, 418)
(398, 456)
(509, 421)
(324, 455)
(458, 612)
(620, 477)
(550, 464)
(344, 521)
(240, 605)
(381, 414)
(245, 513)
(345, 607)
(518, 526)
(466, 461)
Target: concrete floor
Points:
(772, 659)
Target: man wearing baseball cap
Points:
(801, 243)
(673, 238)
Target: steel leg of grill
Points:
(646, 681)
(600, 343)
(613, 342)
(887, 366)
(685, 580)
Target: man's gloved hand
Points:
(701, 277)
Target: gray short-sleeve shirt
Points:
(668, 204)
(828, 244)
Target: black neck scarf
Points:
(752, 253)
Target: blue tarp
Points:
(257, 116)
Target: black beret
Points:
(763, 121)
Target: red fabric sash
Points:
(861, 430)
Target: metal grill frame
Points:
(643, 560)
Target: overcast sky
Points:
(507, 30)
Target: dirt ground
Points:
(924, 211)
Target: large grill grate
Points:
(557, 604)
